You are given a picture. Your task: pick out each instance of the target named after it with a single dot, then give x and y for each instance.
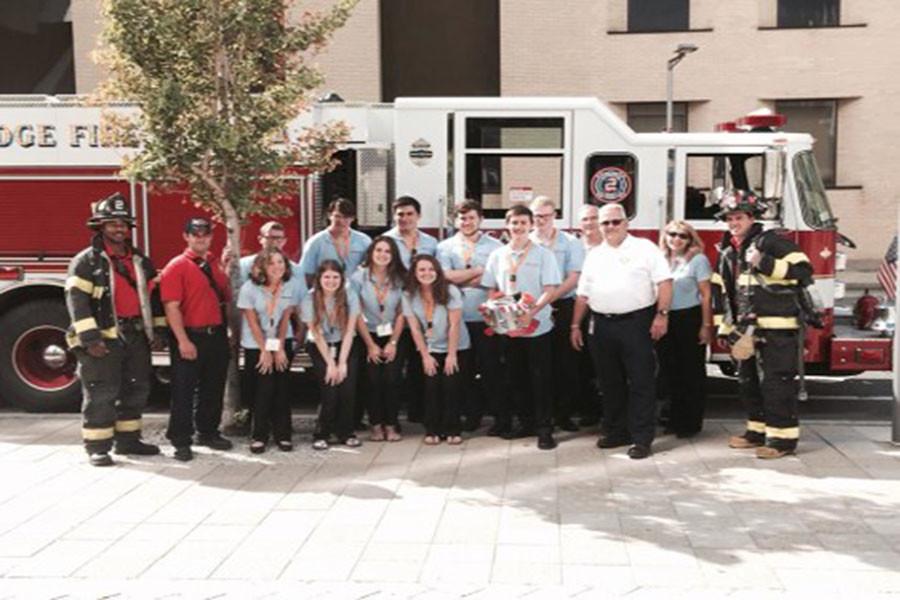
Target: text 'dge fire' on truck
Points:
(498, 151)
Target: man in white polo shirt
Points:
(628, 287)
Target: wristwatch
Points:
(664, 312)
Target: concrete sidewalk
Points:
(490, 519)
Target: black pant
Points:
(529, 360)
(627, 366)
(198, 387)
(442, 396)
(335, 401)
(272, 404)
(683, 360)
(115, 390)
(488, 371)
(412, 386)
(768, 388)
(589, 380)
(566, 383)
(382, 387)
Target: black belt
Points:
(622, 316)
(208, 330)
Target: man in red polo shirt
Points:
(114, 308)
(195, 293)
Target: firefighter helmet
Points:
(740, 201)
(111, 208)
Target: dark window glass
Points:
(39, 35)
(659, 15)
(514, 133)
(705, 172)
(819, 119)
(650, 117)
(809, 13)
(498, 181)
(611, 179)
(440, 48)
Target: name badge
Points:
(273, 345)
(384, 330)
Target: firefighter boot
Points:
(746, 441)
(100, 459)
(769, 452)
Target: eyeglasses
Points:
(275, 238)
(681, 236)
(612, 223)
(544, 216)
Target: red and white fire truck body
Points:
(499, 151)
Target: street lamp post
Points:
(680, 52)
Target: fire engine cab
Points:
(498, 151)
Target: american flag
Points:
(887, 272)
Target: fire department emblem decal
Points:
(610, 184)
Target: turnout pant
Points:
(382, 387)
(566, 384)
(627, 365)
(442, 396)
(487, 371)
(768, 389)
(683, 359)
(272, 404)
(115, 390)
(529, 360)
(198, 386)
(335, 401)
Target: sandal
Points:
(377, 434)
(432, 440)
(454, 440)
(285, 445)
(391, 434)
(257, 447)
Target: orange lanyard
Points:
(272, 302)
(515, 264)
(468, 249)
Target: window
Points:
(512, 161)
(38, 33)
(809, 13)
(650, 117)
(819, 119)
(705, 172)
(658, 15)
(813, 199)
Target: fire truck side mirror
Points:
(773, 178)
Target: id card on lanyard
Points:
(514, 265)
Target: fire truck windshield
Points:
(811, 191)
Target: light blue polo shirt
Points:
(440, 323)
(368, 300)
(686, 276)
(450, 254)
(320, 247)
(538, 269)
(569, 253)
(330, 332)
(246, 263)
(426, 244)
(256, 297)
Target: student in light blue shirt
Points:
(518, 268)
(411, 241)
(682, 351)
(336, 242)
(569, 253)
(330, 312)
(433, 309)
(463, 258)
(379, 282)
(267, 301)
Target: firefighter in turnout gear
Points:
(114, 306)
(758, 280)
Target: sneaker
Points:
(639, 451)
(546, 441)
(352, 442)
(742, 443)
(768, 452)
(257, 447)
(216, 442)
(183, 453)
(320, 445)
(137, 448)
(100, 459)
(608, 441)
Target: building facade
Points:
(829, 65)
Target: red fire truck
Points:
(499, 151)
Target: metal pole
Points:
(895, 429)
(670, 70)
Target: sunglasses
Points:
(612, 223)
(681, 236)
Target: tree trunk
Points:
(232, 401)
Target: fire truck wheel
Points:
(37, 372)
